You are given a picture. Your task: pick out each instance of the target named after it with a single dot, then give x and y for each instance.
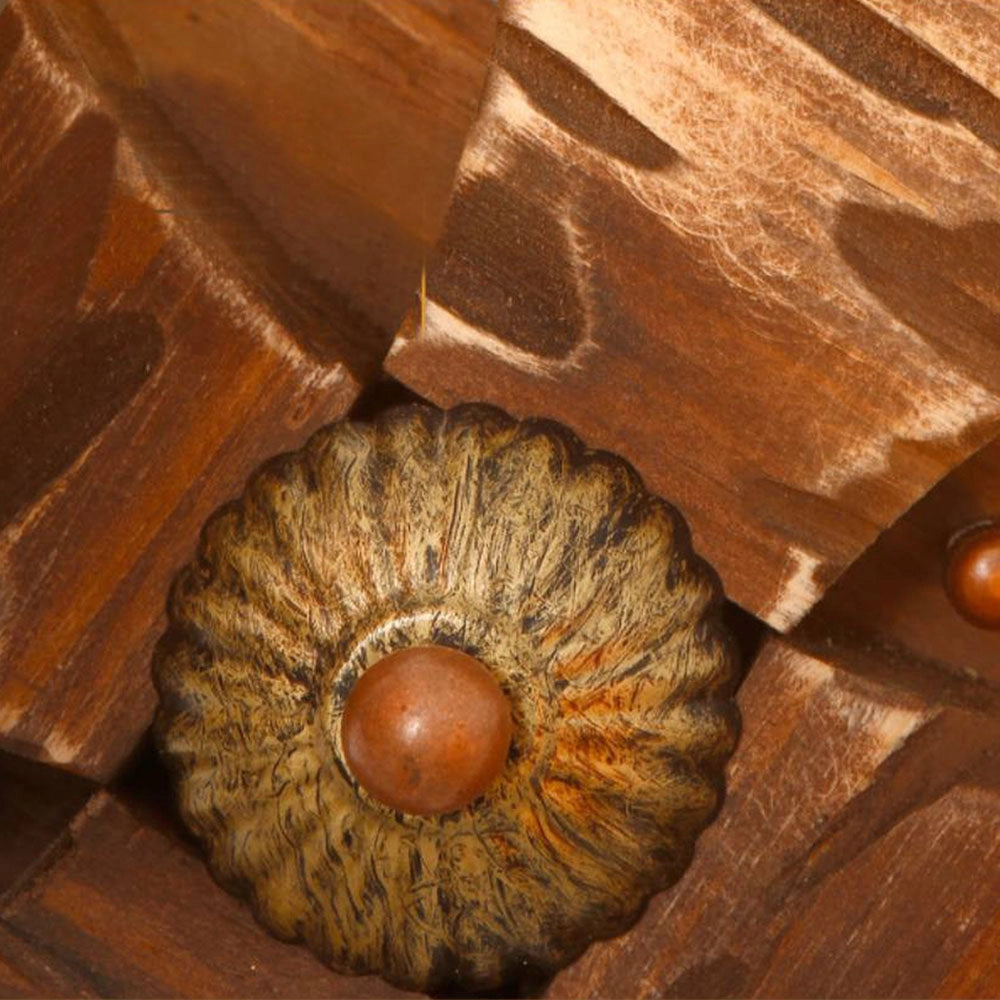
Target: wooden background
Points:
(752, 246)
(166, 330)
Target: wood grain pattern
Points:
(551, 566)
(129, 910)
(338, 125)
(855, 854)
(159, 341)
(119, 319)
(748, 245)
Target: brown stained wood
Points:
(36, 804)
(338, 125)
(750, 246)
(26, 973)
(210, 218)
(130, 910)
(855, 855)
(893, 599)
(579, 596)
(155, 350)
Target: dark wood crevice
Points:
(37, 804)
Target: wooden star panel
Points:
(163, 329)
(751, 246)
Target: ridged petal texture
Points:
(549, 563)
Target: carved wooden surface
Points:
(856, 853)
(338, 125)
(775, 224)
(750, 245)
(510, 542)
(159, 342)
(130, 910)
(893, 599)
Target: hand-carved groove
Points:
(64, 380)
(521, 286)
(943, 283)
(50, 228)
(575, 103)
(880, 56)
(68, 398)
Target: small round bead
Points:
(972, 576)
(426, 730)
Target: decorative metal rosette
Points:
(553, 567)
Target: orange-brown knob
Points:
(972, 576)
(426, 730)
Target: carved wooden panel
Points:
(856, 853)
(749, 245)
(338, 125)
(159, 341)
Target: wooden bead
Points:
(972, 576)
(426, 730)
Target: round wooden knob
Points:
(358, 774)
(426, 730)
(972, 576)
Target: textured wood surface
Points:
(751, 246)
(893, 599)
(129, 910)
(512, 543)
(338, 125)
(159, 339)
(803, 283)
(856, 854)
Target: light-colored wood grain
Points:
(966, 33)
(554, 568)
(748, 245)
